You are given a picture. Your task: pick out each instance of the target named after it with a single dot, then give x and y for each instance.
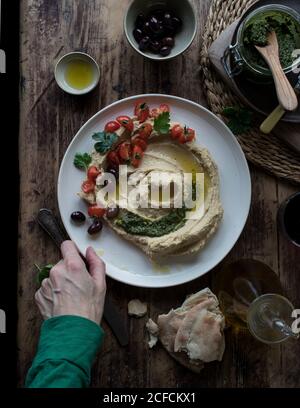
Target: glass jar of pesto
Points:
(242, 56)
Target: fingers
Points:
(45, 306)
(71, 256)
(56, 273)
(96, 267)
(46, 289)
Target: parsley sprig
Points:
(104, 141)
(43, 272)
(239, 119)
(162, 123)
(82, 161)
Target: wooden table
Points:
(50, 119)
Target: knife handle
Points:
(50, 225)
(48, 222)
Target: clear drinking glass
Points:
(251, 298)
(269, 319)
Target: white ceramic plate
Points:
(124, 261)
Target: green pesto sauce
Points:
(135, 225)
(256, 33)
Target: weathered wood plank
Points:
(289, 266)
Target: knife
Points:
(268, 125)
(111, 314)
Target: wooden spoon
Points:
(285, 93)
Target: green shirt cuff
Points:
(71, 341)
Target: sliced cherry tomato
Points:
(182, 138)
(142, 111)
(95, 211)
(164, 108)
(155, 112)
(137, 141)
(113, 158)
(126, 121)
(112, 126)
(137, 156)
(176, 131)
(190, 135)
(93, 173)
(88, 186)
(145, 131)
(124, 151)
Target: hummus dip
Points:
(161, 229)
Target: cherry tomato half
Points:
(124, 151)
(137, 141)
(126, 122)
(190, 135)
(88, 186)
(95, 211)
(145, 131)
(176, 131)
(112, 126)
(155, 112)
(93, 173)
(113, 159)
(142, 111)
(164, 108)
(137, 156)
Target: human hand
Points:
(43, 298)
(74, 291)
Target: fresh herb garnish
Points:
(239, 119)
(43, 272)
(82, 161)
(104, 141)
(162, 123)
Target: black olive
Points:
(138, 34)
(96, 227)
(158, 35)
(176, 23)
(140, 20)
(78, 216)
(112, 212)
(168, 41)
(159, 14)
(147, 29)
(155, 46)
(144, 44)
(154, 24)
(165, 51)
(170, 32)
(167, 20)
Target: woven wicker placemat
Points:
(265, 151)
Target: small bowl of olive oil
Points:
(77, 73)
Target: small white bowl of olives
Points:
(160, 29)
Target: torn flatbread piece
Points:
(136, 308)
(193, 333)
(153, 333)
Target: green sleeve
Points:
(67, 348)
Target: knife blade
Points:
(111, 314)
